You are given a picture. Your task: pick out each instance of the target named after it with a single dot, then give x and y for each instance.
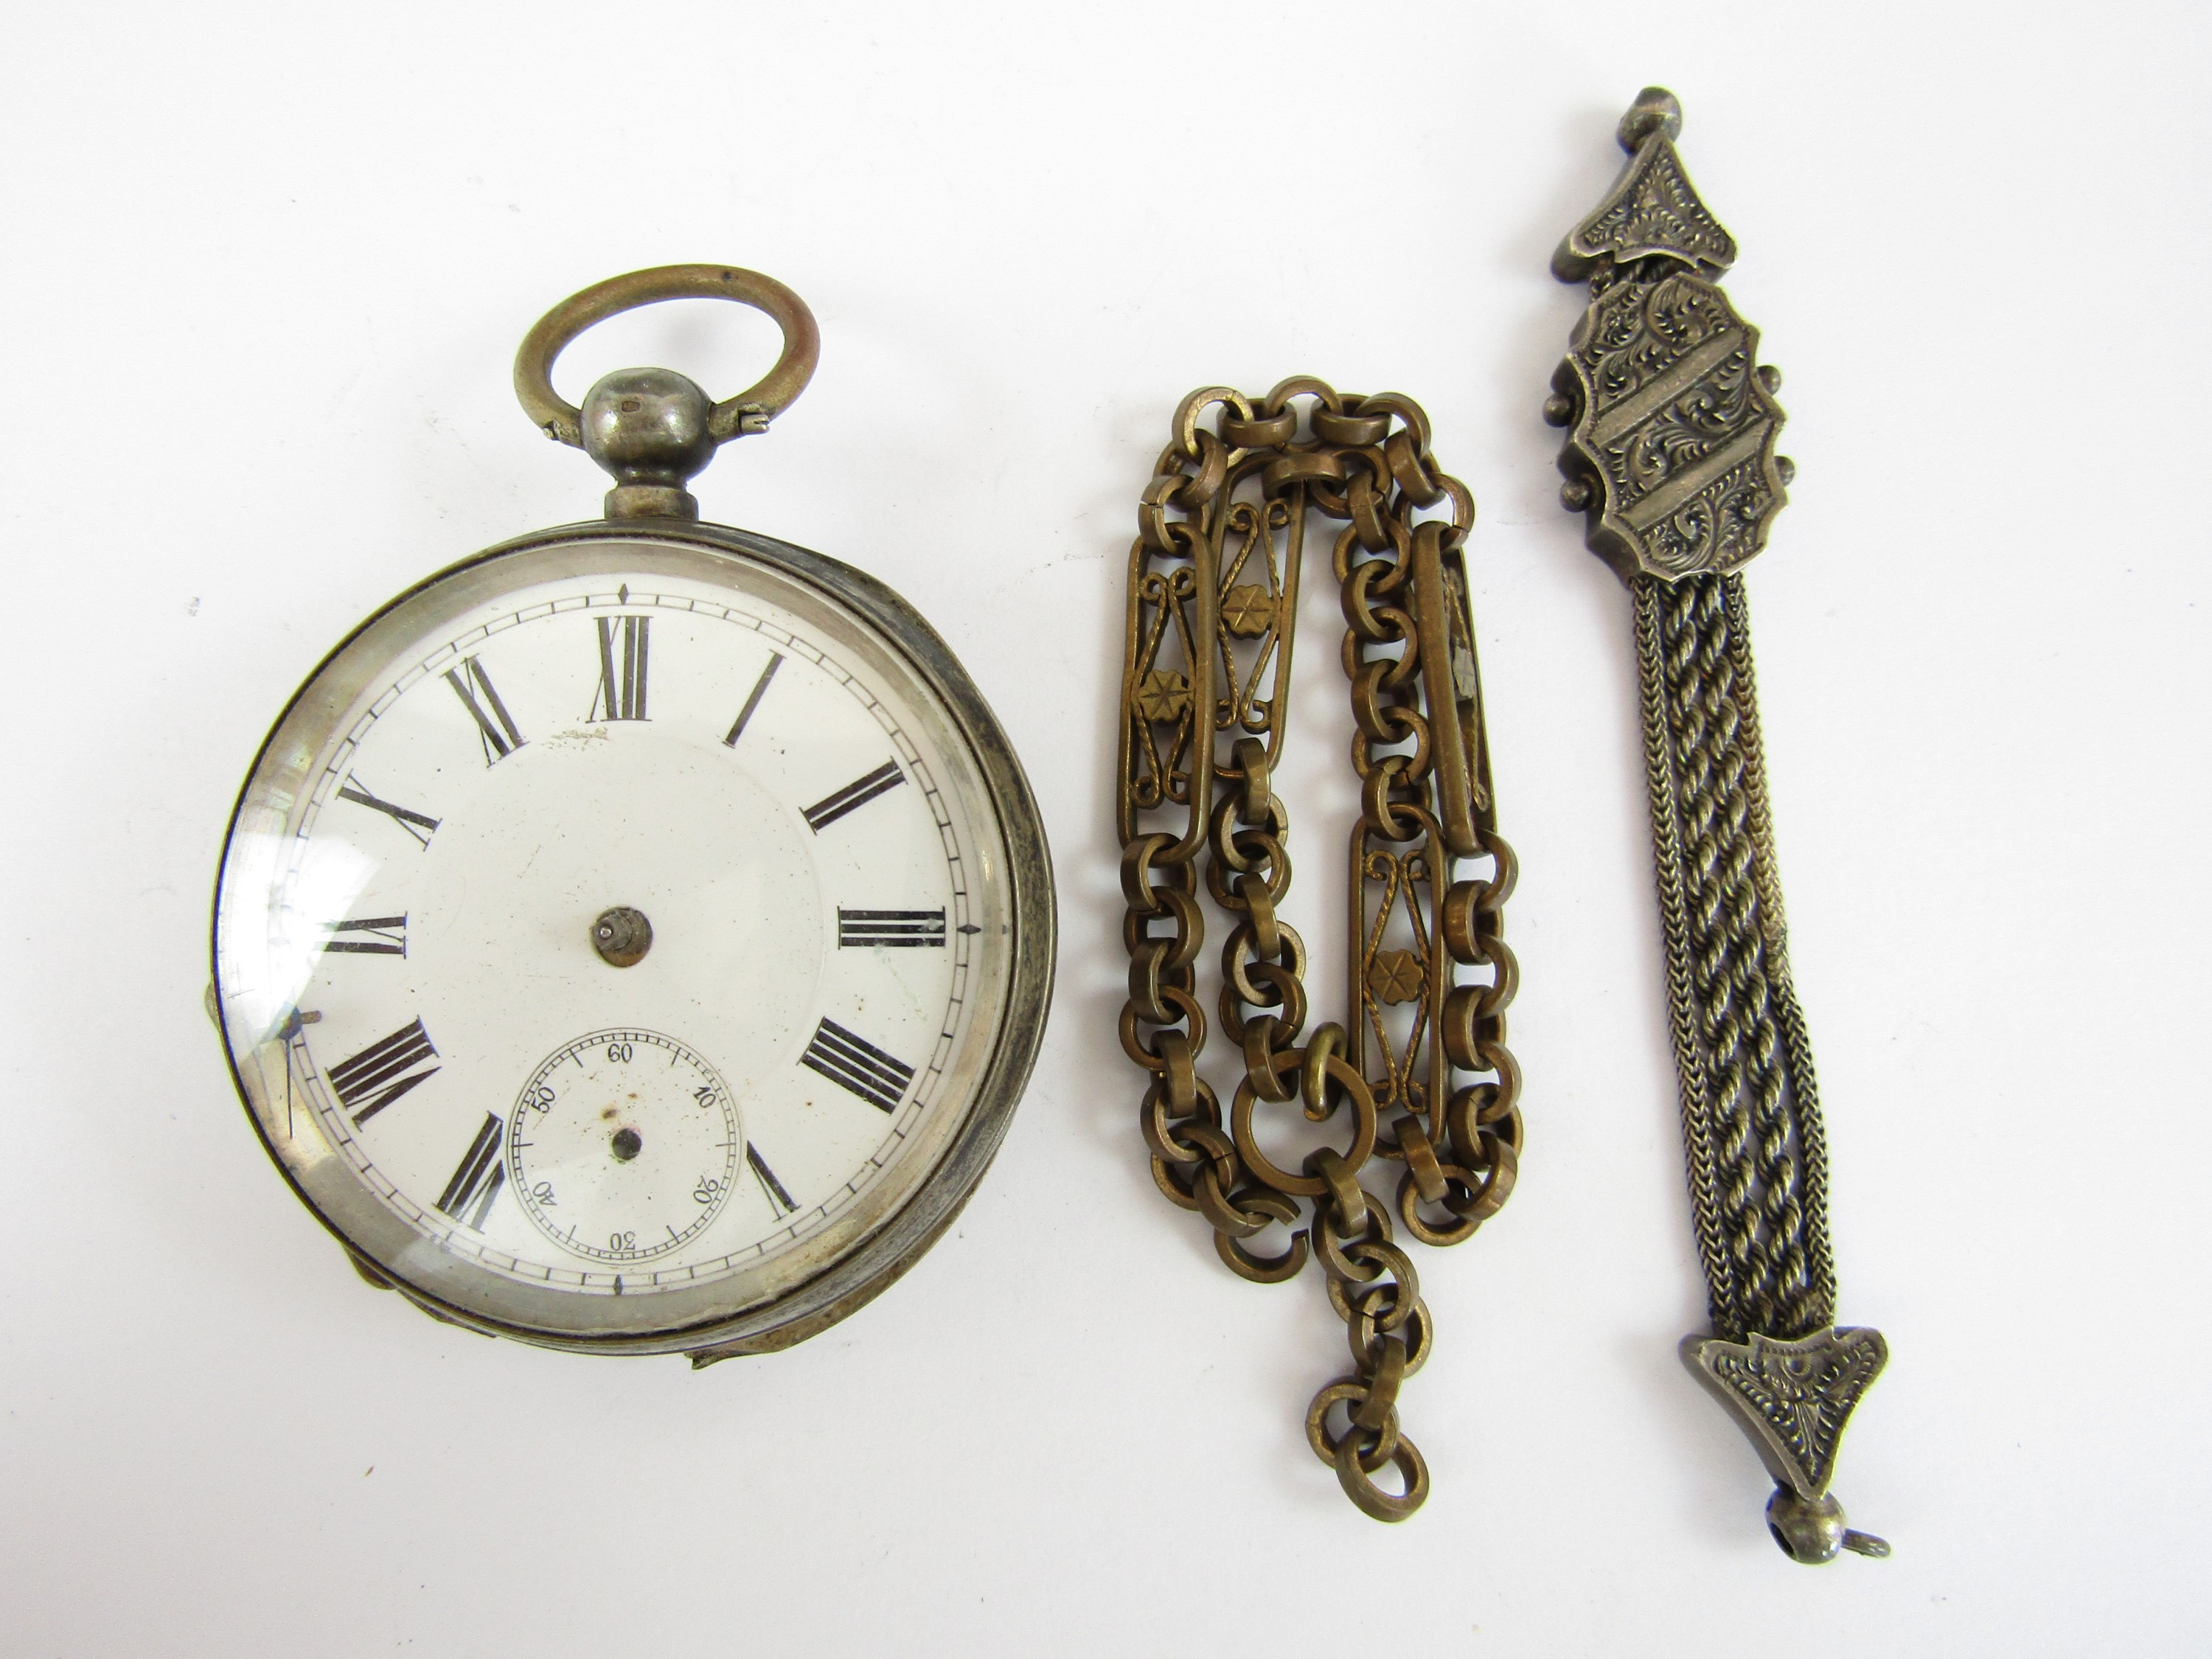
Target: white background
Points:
(264, 269)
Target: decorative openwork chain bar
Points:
(1670, 453)
(1418, 1073)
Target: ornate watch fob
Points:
(634, 938)
(1671, 424)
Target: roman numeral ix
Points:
(858, 1064)
(500, 738)
(373, 1079)
(622, 642)
(415, 824)
(478, 1179)
(857, 794)
(907, 928)
(772, 1189)
(381, 936)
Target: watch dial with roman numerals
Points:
(440, 1002)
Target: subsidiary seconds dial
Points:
(623, 1145)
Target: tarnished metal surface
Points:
(1418, 1073)
(653, 429)
(1672, 424)
(749, 411)
(1793, 1398)
(622, 936)
(1670, 455)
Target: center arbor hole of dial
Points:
(626, 1144)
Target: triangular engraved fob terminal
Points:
(1671, 423)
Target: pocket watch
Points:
(635, 937)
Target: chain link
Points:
(1214, 584)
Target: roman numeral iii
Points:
(499, 736)
(858, 1064)
(859, 793)
(383, 1072)
(381, 936)
(478, 1179)
(903, 927)
(623, 641)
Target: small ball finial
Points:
(1810, 1530)
(1655, 110)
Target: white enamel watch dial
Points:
(754, 1106)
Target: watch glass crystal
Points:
(611, 935)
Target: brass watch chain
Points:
(1212, 601)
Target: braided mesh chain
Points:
(1214, 583)
(1751, 1117)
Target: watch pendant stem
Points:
(648, 428)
